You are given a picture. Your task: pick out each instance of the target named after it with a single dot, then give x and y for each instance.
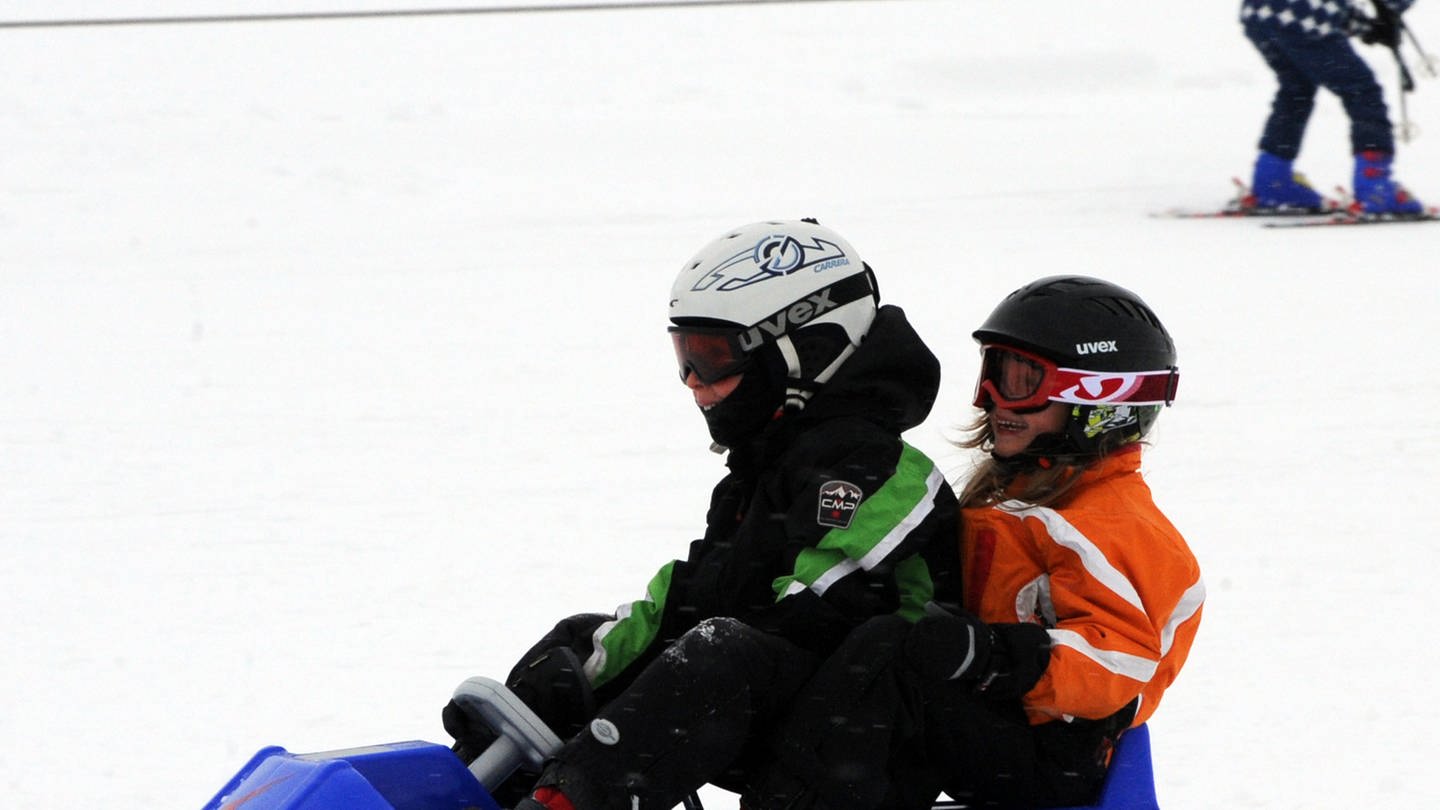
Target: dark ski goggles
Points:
(712, 353)
(1020, 381)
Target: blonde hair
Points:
(1047, 481)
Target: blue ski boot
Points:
(1376, 192)
(1276, 186)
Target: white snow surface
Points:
(333, 366)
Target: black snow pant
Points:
(1303, 64)
(702, 712)
(868, 732)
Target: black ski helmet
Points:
(1087, 324)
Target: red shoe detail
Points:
(1373, 156)
(552, 798)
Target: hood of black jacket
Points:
(892, 379)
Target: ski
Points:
(1348, 218)
(1243, 206)
(1241, 213)
(1341, 212)
(1351, 213)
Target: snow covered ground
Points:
(332, 362)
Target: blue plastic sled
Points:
(426, 776)
(1130, 782)
(396, 776)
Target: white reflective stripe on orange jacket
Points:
(1106, 574)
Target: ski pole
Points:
(1425, 58)
(1407, 130)
(1407, 81)
(1407, 84)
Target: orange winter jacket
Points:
(1105, 573)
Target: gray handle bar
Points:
(523, 738)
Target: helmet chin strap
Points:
(800, 390)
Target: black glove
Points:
(472, 735)
(1383, 29)
(949, 646)
(1002, 661)
(553, 684)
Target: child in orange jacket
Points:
(1081, 600)
(1059, 527)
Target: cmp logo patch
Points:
(838, 502)
(772, 257)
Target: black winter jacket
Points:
(826, 519)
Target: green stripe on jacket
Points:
(880, 524)
(621, 641)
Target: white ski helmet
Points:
(794, 285)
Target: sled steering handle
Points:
(522, 738)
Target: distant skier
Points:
(826, 519)
(1081, 600)
(1306, 45)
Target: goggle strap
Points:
(1143, 388)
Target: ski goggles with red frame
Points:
(713, 353)
(1024, 382)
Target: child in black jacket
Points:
(827, 518)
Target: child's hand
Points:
(949, 646)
